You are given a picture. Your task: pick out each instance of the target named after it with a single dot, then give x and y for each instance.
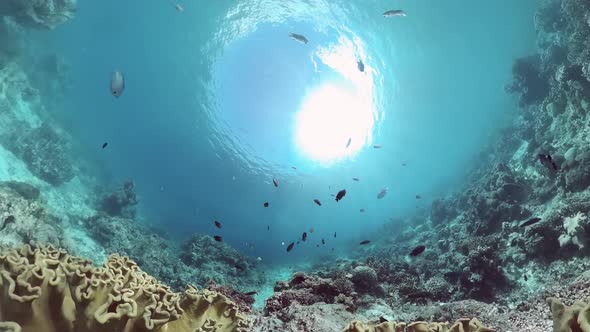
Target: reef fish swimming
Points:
(317, 201)
(361, 66)
(548, 162)
(529, 222)
(217, 238)
(417, 251)
(348, 143)
(104, 145)
(265, 204)
(217, 224)
(117, 83)
(382, 193)
(394, 13)
(304, 236)
(298, 37)
(290, 246)
(275, 182)
(365, 242)
(340, 195)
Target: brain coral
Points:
(462, 325)
(46, 290)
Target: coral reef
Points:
(121, 203)
(48, 290)
(44, 150)
(39, 14)
(462, 325)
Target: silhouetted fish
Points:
(362, 210)
(323, 241)
(298, 242)
(117, 83)
(299, 38)
(317, 245)
(293, 167)
(394, 13)
(290, 247)
(382, 193)
(530, 222)
(418, 250)
(275, 182)
(355, 179)
(377, 146)
(334, 234)
(265, 204)
(349, 141)
(104, 145)
(217, 238)
(340, 195)
(365, 242)
(251, 293)
(317, 201)
(360, 65)
(304, 236)
(268, 227)
(418, 197)
(217, 224)
(548, 162)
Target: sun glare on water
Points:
(336, 112)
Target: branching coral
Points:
(44, 14)
(46, 289)
(462, 325)
(575, 231)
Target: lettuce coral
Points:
(45, 290)
(570, 319)
(462, 325)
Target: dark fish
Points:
(548, 162)
(362, 210)
(304, 236)
(377, 146)
(404, 163)
(241, 268)
(382, 319)
(530, 222)
(360, 65)
(323, 241)
(268, 227)
(349, 141)
(251, 293)
(417, 251)
(217, 224)
(317, 201)
(217, 238)
(365, 242)
(340, 194)
(265, 204)
(332, 195)
(117, 83)
(299, 38)
(418, 197)
(526, 278)
(334, 234)
(355, 179)
(293, 167)
(317, 245)
(298, 242)
(275, 182)
(290, 247)
(104, 145)
(393, 13)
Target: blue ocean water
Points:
(219, 101)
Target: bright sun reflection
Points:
(337, 111)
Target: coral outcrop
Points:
(45, 289)
(462, 325)
(39, 14)
(121, 203)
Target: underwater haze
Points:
(219, 101)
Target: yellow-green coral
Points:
(47, 290)
(462, 325)
(569, 319)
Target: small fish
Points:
(293, 167)
(361, 66)
(299, 38)
(394, 13)
(275, 182)
(217, 224)
(418, 197)
(362, 210)
(259, 259)
(290, 247)
(340, 195)
(217, 238)
(404, 163)
(179, 8)
(117, 83)
(323, 241)
(348, 143)
(317, 201)
(355, 179)
(365, 242)
(334, 234)
(298, 242)
(332, 195)
(548, 162)
(304, 236)
(526, 278)
(251, 293)
(265, 204)
(317, 245)
(268, 229)
(530, 222)
(417, 251)
(104, 145)
(311, 230)
(382, 193)
(377, 146)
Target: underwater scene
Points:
(295, 165)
